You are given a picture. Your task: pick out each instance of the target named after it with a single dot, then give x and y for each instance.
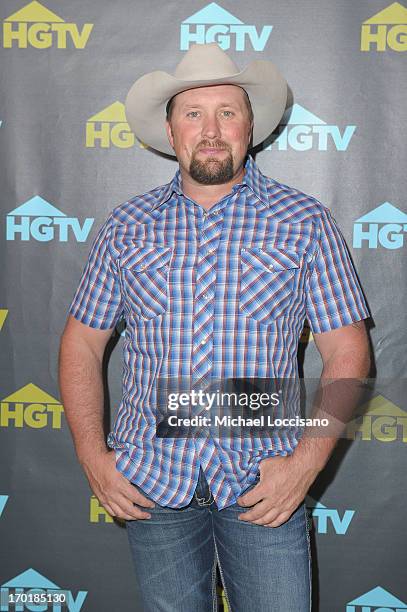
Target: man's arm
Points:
(284, 481)
(346, 360)
(81, 386)
(346, 357)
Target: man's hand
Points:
(284, 482)
(81, 384)
(113, 490)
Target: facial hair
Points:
(211, 171)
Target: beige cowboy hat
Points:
(201, 66)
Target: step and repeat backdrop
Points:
(68, 158)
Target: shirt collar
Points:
(253, 179)
(169, 189)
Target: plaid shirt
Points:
(222, 292)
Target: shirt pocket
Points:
(266, 282)
(144, 272)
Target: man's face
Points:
(210, 131)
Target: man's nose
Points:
(211, 127)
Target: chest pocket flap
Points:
(270, 258)
(138, 258)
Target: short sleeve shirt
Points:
(219, 293)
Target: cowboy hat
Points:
(201, 66)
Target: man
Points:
(214, 273)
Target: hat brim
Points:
(147, 99)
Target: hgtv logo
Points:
(329, 519)
(376, 600)
(3, 317)
(384, 226)
(109, 127)
(31, 407)
(214, 24)
(386, 29)
(32, 591)
(381, 420)
(36, 26)
(3, 502)
(42, 221)
(301, 130)
(97, 512)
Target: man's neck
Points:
(208, 195)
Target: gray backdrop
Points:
(67, 158)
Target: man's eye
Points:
(228, 113)
(193, 114)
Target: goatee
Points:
(212, 170)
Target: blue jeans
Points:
(175, 552)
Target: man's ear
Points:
(169, 133)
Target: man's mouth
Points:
(210, 150)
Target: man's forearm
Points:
(81, 387)
(340, 390)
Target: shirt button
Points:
(204, 341)
(205, 296)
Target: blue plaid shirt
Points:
(222, 292)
